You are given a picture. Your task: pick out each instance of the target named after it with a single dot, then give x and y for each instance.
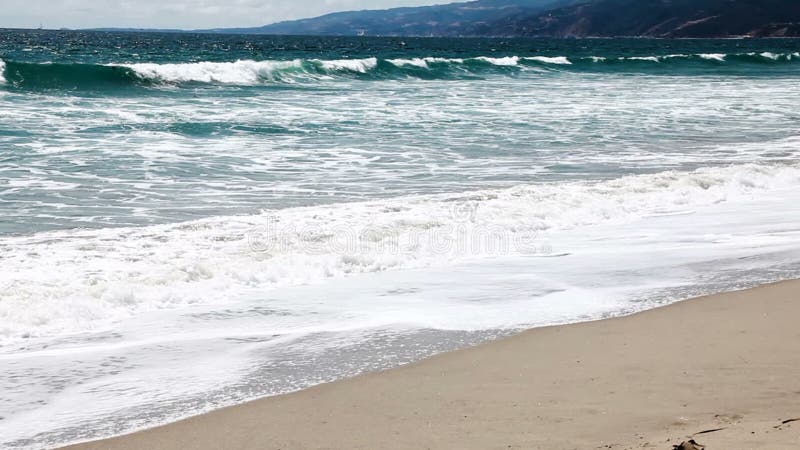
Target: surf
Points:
(215, 258)
(54, 76)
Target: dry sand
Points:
(729, 362)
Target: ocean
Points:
(193, 221)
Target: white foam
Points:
(707, 56)
(246, 72)
(430, 60)
(506, 61)
(418, 62)
(306, 335)
(643, 58)
(239, 72)
(424, 62)
(68, 281)
(2, 71)
(353, 65)
(713, 56)
(550, 60)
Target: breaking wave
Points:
(253, 73)
(77, 280)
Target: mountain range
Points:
(454, 19)
(661, 18)
(557, 18)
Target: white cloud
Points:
(186, 14)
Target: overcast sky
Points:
(185, 14)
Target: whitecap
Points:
(238, 72)
(353, 65)
(507, 61)
(418, 62)
(643, 58)
(713, 56)
(550, 60)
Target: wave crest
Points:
(254, 73)
(68, 76)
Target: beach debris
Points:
(709, 431)
(688, 445)
(786, 422)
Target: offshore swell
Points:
(249, 72)
(287, 211)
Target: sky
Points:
(185, 14)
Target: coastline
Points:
(726, 362)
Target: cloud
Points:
(187, 14)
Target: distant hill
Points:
(454, 19)
(661, 18)
(556, 18)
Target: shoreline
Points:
(726, 362)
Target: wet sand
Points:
(728, 362)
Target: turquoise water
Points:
(104, 129)
(276, 212)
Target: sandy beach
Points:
(728, 362)
(215, 234)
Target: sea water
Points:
(192, 221)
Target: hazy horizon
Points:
(180, 14)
